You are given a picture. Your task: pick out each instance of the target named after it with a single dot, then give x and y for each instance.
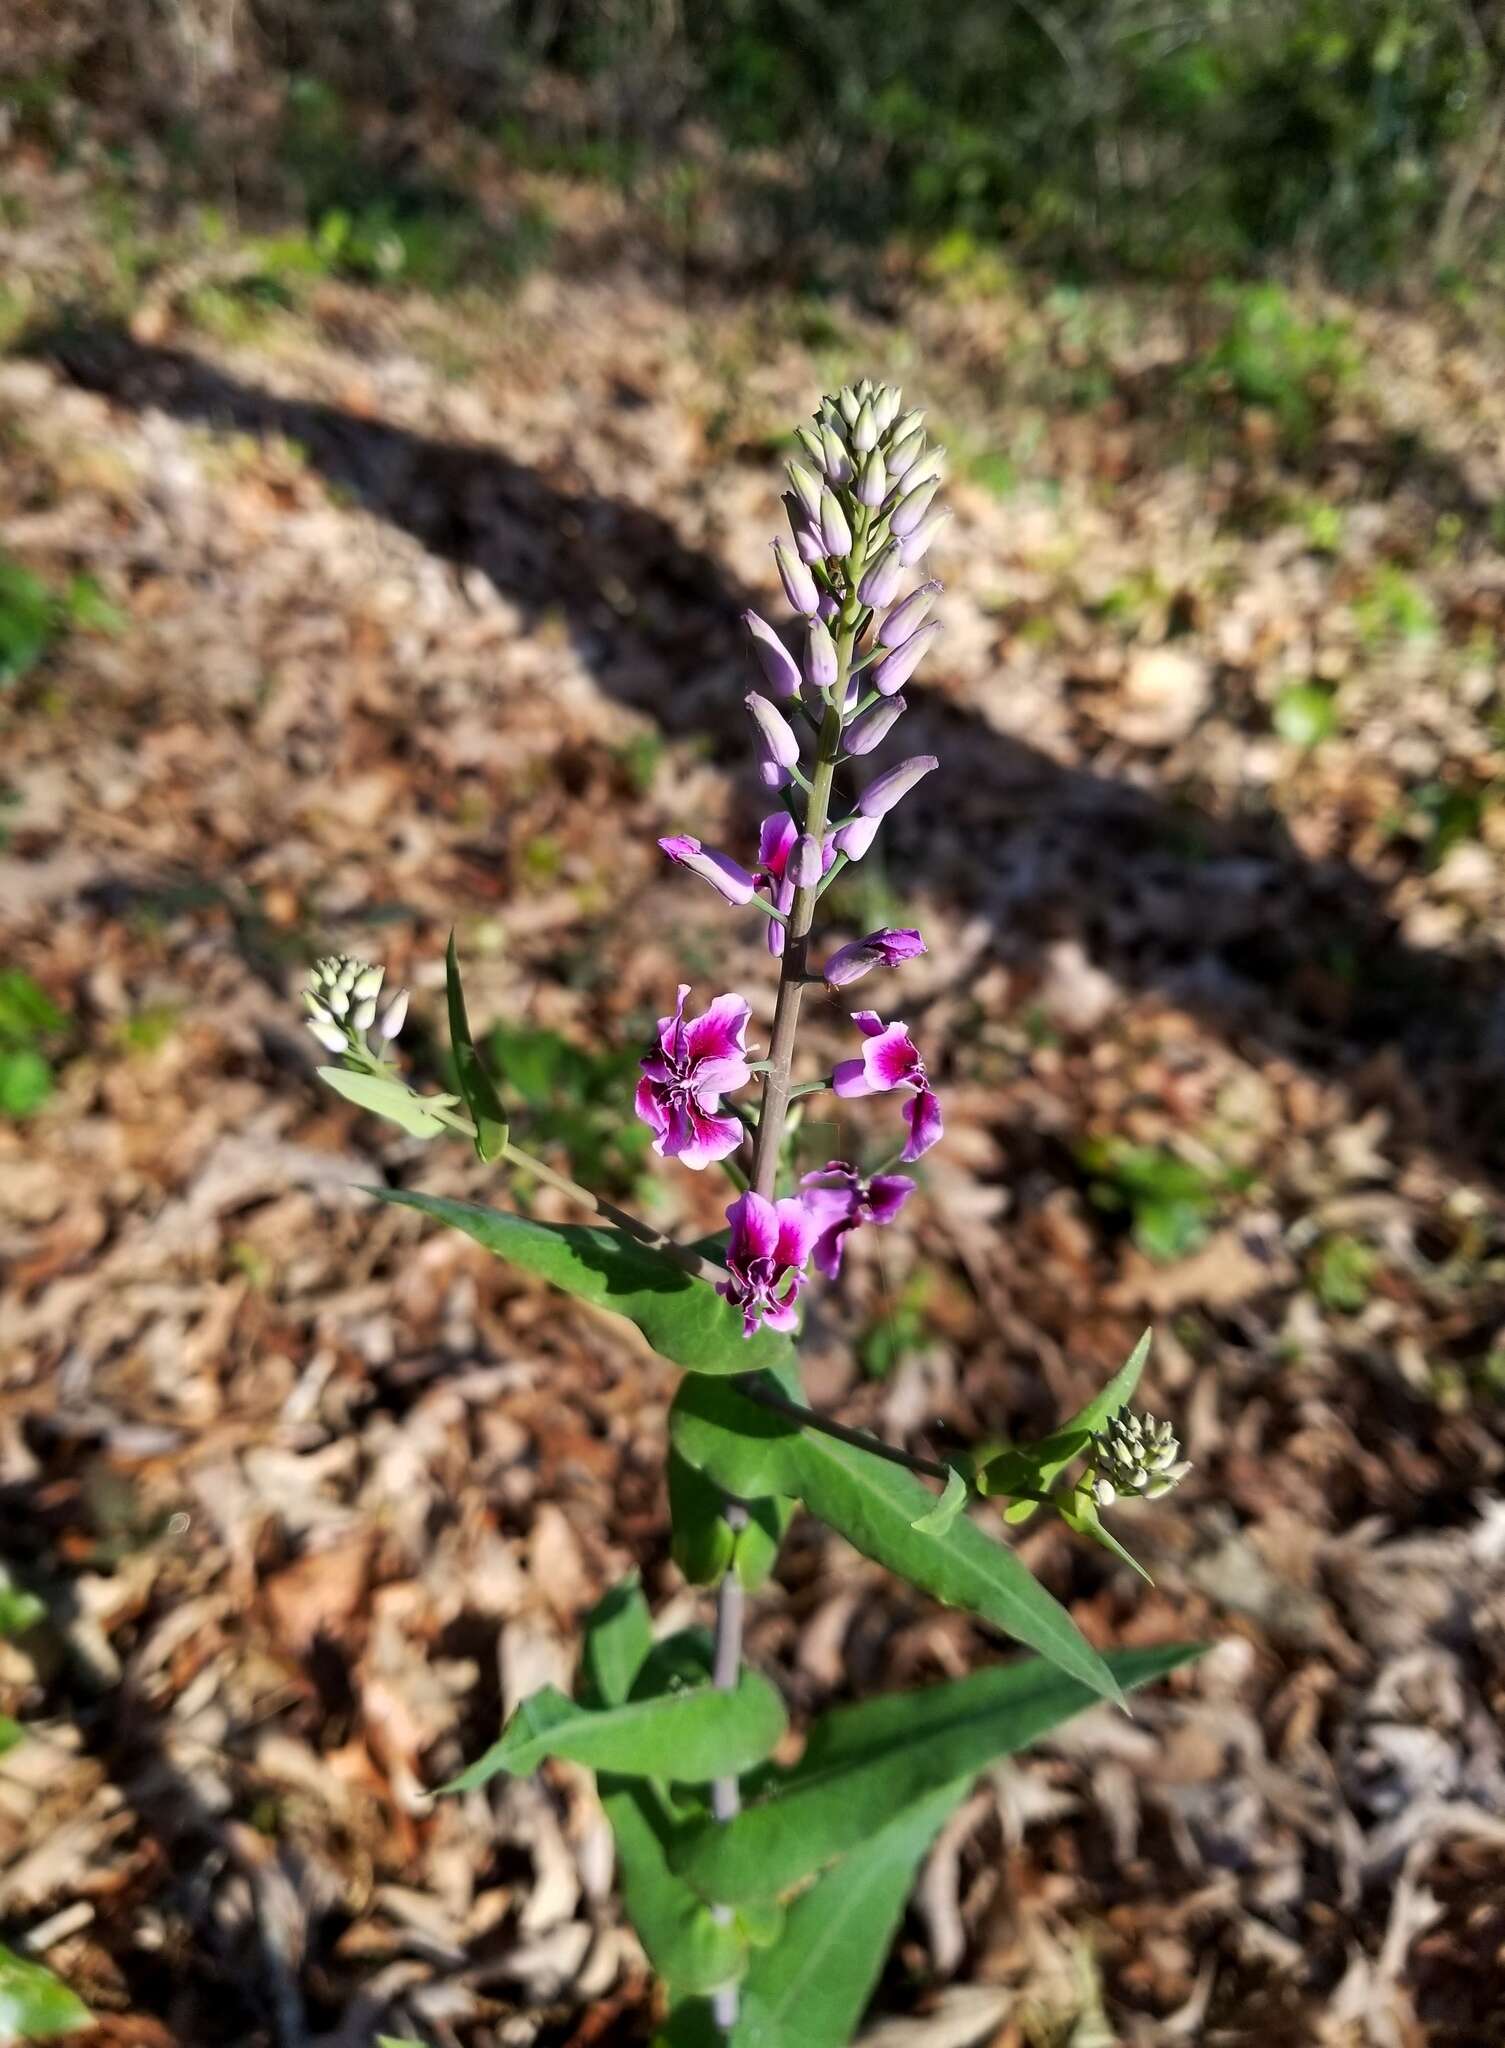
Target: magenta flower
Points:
(778, 836)
(890, 1059)
(684, 1080)
(879, 949)
(766, 1258)
(723, 874)
(840, 1199)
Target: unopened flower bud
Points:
(330, 1036)
(775, 660)
(881, 579)
(805, 488)
(905, 427)
(777, 734)
(805, 865)
(864, 430)
(834, 530)
(808, 545)
(809, 439)
(395, 1015)
(911, 509)
(879, 949)
(363, 1016)
(886, 402)
(369, 983)
(848, 404)
(820, 655)
(835, 461)
(895, 669)
(872, 482)
(1135, 1458)
(799, 585)
(855, 837)
(903, 455)
(873, 727)
(915, 546)
(904, 618)
(880, 797)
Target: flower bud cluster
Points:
(342, 1000)
(1135, 1458)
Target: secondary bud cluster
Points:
(342, 1000)
(1135, 1458)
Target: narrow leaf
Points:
(938, 1519)
(688, 1947)
(865, 1763)
(383, 1096)
(875, 1506)
(1040, 1465)
(810, 1991)
(682, 1317)
(476, 1085)
(1080, 1513)
(701, 1540)
(692, 1736)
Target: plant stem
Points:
(765, 1397)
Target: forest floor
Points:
(405, 612)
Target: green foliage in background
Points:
(30, 1025)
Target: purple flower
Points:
(895, 669)
(873, 726)
(774, 658)
(769, 1249)
(890, 1059)
(683, 1082)
(880, 797)
(855, 837)
(805, 863)
(879, 949)
(723, 874)
(839, 1199)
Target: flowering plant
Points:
(765, 1886)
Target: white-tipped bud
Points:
(369, 982)
(886, 402)
(330, 1036)
(864, 430)
(1135, 1458)
(363, 1016)
(394, 1016)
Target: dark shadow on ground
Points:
(1290, 957)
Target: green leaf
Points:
(810, 1991)
(34, 2004)
(683, 1318)
(1079, 1511)
(938, 1518)
(476, 1085)
(702, 1541)
(1039, 1466)
(27, 1012)
(743, 1449)
(760, 1539)
(875, 1506)
(692, 1736)
(25, 1081)
(688, 1947)
(28, 620)
(11, 1733)
(384, 1096)
(749, 1452)
(864, 1763)
(618, 1639)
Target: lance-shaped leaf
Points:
(747, 1450)
(476, 1085)
(682, 1316)
(811, 1990)
(1038, 1466)
(701, 1540)
(1078, 1510)
(693, 1735)
(383, 1095)
(618, 1640)
(865, 1763)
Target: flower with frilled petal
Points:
(766, 1257)
(840, 1199)
(890, 1059)
(879, 949)
(684, 1079)
(722, 872)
